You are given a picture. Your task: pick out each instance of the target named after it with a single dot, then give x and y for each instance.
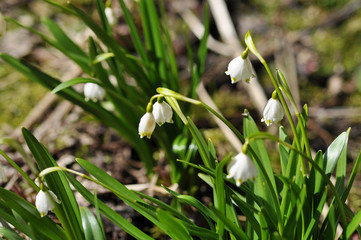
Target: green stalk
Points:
(252, 47)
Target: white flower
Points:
(110, 16)
(241, 168)
(93, 91)
(45, 201)
(240, 69)
(2, 25)
(273, 112)
(146, 125)
(162, 113)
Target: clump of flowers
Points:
(240, 69)
(93, 91)
(160, 112)
(45, 202)
(273, 111)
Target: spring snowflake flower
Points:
(110, 16)
(241, 168)
(146, 125)
(240, 69)
(45, 201)
(2, 25)
(273, 112)
(162, 113)
(93, 91)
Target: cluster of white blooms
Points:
(93, 91)
(241, 168)
(45, 202)
(161, 113)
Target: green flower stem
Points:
(30, 181)
(288, 113)
(284, 87)
(264, 135)
(252, 47)
(169, 94)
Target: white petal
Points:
(241, 168)
(273, 112)
(146, 125)
(93, 91)
(240, 69)
(162, 113)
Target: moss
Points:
(18, 95)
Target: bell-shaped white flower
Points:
(241, 168)
(93, 91)
(162, 113)
(273, 112)
(45, 201)
(2, 25)
(240, 69)
(146, 125)
(110, 16)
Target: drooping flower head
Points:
(147, 123)
(110, 16)
(2, 25)
(93, 91)
(273, 111)
(241, 168)
(162, 112)
(45, 201)
(240, 69)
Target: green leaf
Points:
(73, 82)
(201, 143)
(259, 149)
(166, 207)
(353, 225)
(9, 234)
(284, 151)
(68, 211)
(91, 227)
(102, 56)
(108, 212)
(67, 46)
(233, 228)
(334, 151)
(172, 226)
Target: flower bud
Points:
(240, 69)
(273, 112)
(242, 168)
(110, 16)
(146, 125)
(45, 201)
(162, 113)
(93, 91)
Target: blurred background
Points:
(316, 44)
